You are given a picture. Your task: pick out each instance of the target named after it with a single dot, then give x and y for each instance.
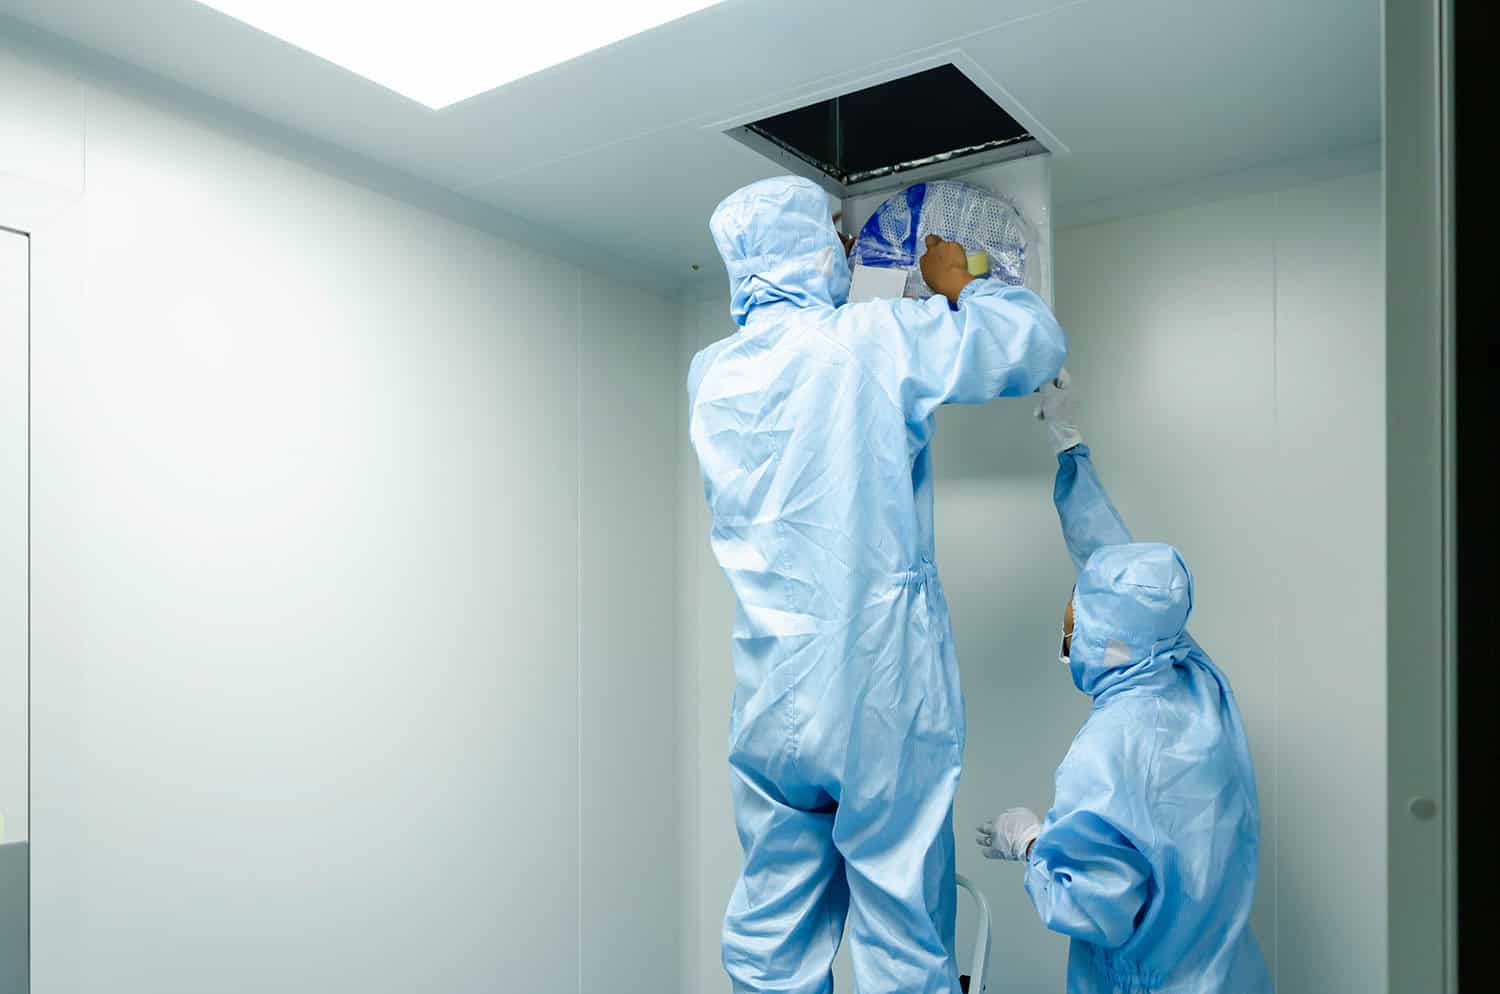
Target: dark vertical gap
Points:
(839, 162)
(1477, 302)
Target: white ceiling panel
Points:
(1150, 92)
(626, 199)
(742, 52)
(609, 149)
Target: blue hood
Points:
(779, 244)
(1130, 616)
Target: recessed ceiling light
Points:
(438, 52)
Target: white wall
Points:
(1230, 357)
(631, 744)
(705, 613)
(347, 671)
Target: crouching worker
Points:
(1148, 857)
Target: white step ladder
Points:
(979, 969)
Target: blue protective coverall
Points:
(811, 426)
(1148, 858)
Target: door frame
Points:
(1421, 659)
(52, 220)
(15, 975)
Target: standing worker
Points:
(811, 426)
(1149, 856)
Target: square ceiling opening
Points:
(919, 123)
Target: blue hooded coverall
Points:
(811, 426)
(1148, 858)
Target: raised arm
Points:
(1088, 516)
(999, 341)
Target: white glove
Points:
(1060, 412)
(1008, 835)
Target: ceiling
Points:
(618, 152)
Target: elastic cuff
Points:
(1064, 437)
(1028, 846)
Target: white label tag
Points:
(876, 283)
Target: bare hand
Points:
(945, 267)
(848, 240)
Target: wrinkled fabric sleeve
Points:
(1001, 341)
(1088, 516)
(1086, 880)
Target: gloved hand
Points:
(1008, 835)
(1059, 411)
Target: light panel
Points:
(438, 52)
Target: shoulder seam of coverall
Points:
(1151, 772)
(711, 499)
(1114, 824)
(1088, 805)
(717, 351)
(863, 372)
